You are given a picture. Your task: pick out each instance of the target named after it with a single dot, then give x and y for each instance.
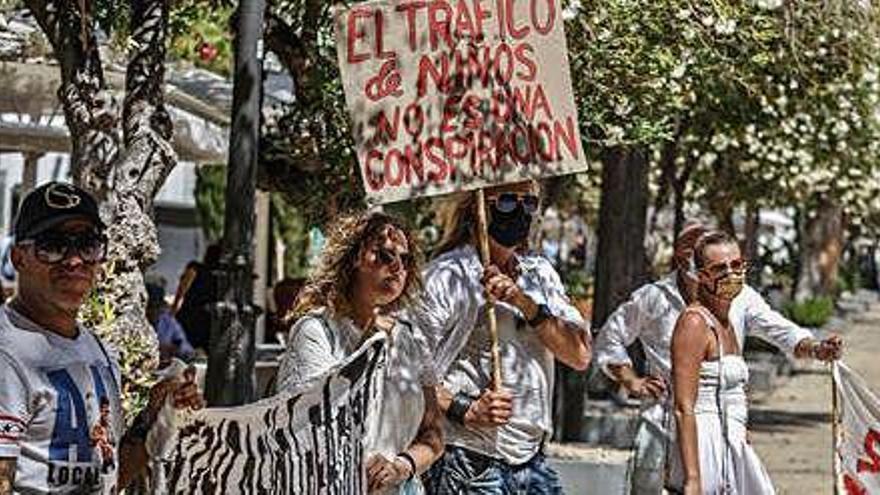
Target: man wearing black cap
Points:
(55, 374)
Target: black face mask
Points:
(510, 229)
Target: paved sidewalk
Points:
(791, 428)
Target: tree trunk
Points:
(620, 261)
(123, 161)
(821, 248)
(230, 378)
(750, 247)
(679, 196)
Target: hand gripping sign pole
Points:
(483, 236)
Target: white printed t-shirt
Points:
(51, 421)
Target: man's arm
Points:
(768, 324)
(569, 342)
(620, 330)
(133, 454)
(566, 337)
(7, 475)
(14, 418)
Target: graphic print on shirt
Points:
(79, 453)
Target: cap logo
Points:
(61, 197)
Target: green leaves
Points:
(774, 102)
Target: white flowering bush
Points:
(767, 102)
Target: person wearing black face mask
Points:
(494, 433)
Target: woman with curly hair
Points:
(367, 271)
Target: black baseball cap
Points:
(52, 204)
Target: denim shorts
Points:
(462, 471)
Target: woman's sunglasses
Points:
(738, 265)
(387, 257)
(55, 247)
(507, 202)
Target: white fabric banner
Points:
(858, 442)
(306, 441)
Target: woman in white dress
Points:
(367, 270)
(709, 380)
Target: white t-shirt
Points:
(51, 394)
(317, 342)
(452, 313)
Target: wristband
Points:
(409, 460)
(458, 407)
(541, 316)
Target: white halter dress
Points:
(728, 464)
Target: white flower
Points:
(768, 4)
(841, 128)
(725, 27)
(708, 21)
(615, 134)
(683, 14)
(720, 142)
(678, 71)
(708, 159)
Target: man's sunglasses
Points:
(507, 202)
(387, 257)
(55, 247)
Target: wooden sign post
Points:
(486, 258)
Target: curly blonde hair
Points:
(332, 282)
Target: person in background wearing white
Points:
(649, 316)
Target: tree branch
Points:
(285, 43)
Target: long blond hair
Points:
(331, 284)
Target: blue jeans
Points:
(461, 471)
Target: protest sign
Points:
(857, 443)
(457, 95)
(305, 441)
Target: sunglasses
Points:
(55, 247)
(507, 202)
(738, 265)
(387, 257)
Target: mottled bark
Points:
(621, 262)
(750, 244)
(90, 110)
(822, 240)
(122, 157)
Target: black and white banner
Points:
(306, 441)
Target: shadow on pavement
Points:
(773, 420)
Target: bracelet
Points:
(409, 460)
(460, 405)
